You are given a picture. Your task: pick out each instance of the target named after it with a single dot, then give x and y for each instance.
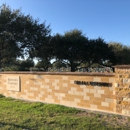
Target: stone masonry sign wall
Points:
(107, 92)
(13, 83)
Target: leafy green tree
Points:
(70, 48)
(121, 53)
(43, 51)
(98, 52)
(75, 49)
(19, 33)
(8, 48)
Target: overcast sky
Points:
(109, 19)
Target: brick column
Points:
(122, 89)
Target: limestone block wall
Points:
(81, 90)
(122, 87)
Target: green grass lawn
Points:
(23, 115)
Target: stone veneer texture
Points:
(122, 88)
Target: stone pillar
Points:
(122, 89)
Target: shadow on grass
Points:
(2, 125)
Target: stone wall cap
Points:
(122, 66)
(59, 73)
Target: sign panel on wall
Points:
(13, 83)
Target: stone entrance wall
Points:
(106, 92)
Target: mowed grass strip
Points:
(23, 115)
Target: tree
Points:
(19, 32)
(121, 53)
(43, 53)
(97, 51)
(8, 48)
(70, 47)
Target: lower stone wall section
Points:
(85, 91)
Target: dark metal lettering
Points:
(93, 83)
